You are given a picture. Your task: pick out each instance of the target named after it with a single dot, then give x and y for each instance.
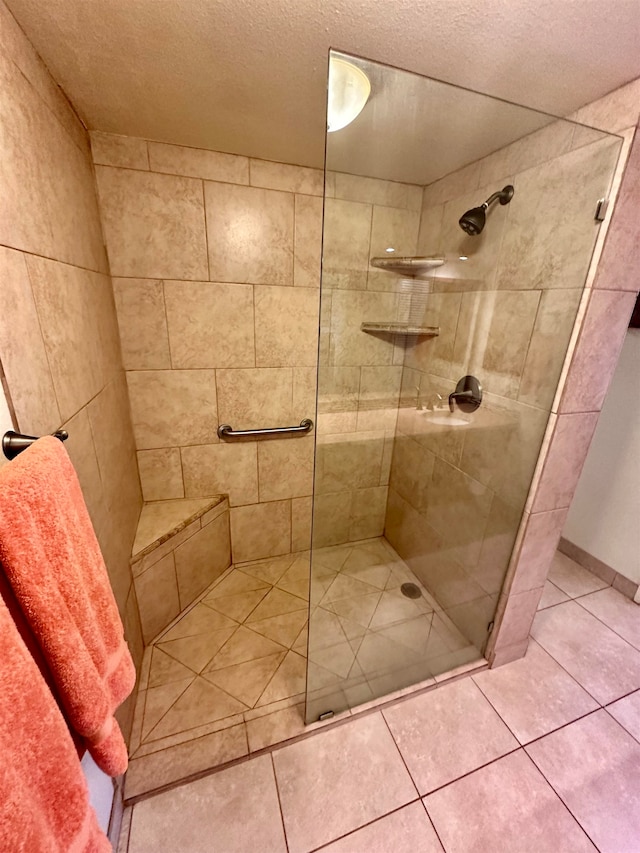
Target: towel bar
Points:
(226, 431)
(14, 442)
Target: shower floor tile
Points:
(238, 657)
(367, 638)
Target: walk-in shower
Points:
(440, 354)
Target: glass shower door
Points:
(458, 232)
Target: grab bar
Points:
(14, 442)
(226, 431)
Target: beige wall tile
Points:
(411, 472)
(286, 324)
(458, 510)
(250, 233)
(331, 519)
(307, 241)
(537, 547)
(301, 513)
(16, 46)
(380, 384)
(617, 265)
(497, 545)
(304, 393)
(133, 629)
(252, 399)
(291, 179)
(429, 237)
(22, 350)
(548, 346)
(565, 457)
(482, 347)
(519, 612)
(503, 456)
(504, 356)
(596, 353)
(77, 317)
(115, 451)
(375, 191)
(368, 507)
(338, 387)
(210, 325)
(345, 462)
(160, 474)
(260, 530)
(614, 112)
(453, 185)
(436, 355)
(127, 152)
(350, 345)
(170, 408)
(216, 469)
(47, 177)
(82, 452)
(331, 423)
(142, 323)
(345, 251)
(285, 468)
(394, 228)
(483, 251)
(198, 163)
(551, 229)
(154, 225)
(532, 150)
(202, 559)
(157, 595)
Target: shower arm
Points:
(503, 196)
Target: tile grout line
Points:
(363, 826)
(404, 763)
(432, 822)
(539, 769)
(275, 781)
(623, 727)
(597, 618)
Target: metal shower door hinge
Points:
(326, 716)
(601, 209)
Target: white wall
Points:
(604, 519)
(100, 790)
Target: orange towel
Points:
(52, 560)
(44, 803)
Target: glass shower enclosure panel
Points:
(458, 233)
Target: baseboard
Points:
(592, 564)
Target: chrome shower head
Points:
(473, 221)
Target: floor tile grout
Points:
(566, 805)
(275, 781)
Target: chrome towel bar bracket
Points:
(225, 431)
(14, 442)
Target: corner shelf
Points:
(401, 329)
(408, 266)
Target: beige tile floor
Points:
(540, 755)
(230, 674)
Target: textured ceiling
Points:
(249, 76)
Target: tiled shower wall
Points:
(216, 267)
(359, 374)
(59, 344)
(505, 315)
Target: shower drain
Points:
(410, 590)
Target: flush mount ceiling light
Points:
(349, 90)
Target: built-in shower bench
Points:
(181, 547)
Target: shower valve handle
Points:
(468, 394)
